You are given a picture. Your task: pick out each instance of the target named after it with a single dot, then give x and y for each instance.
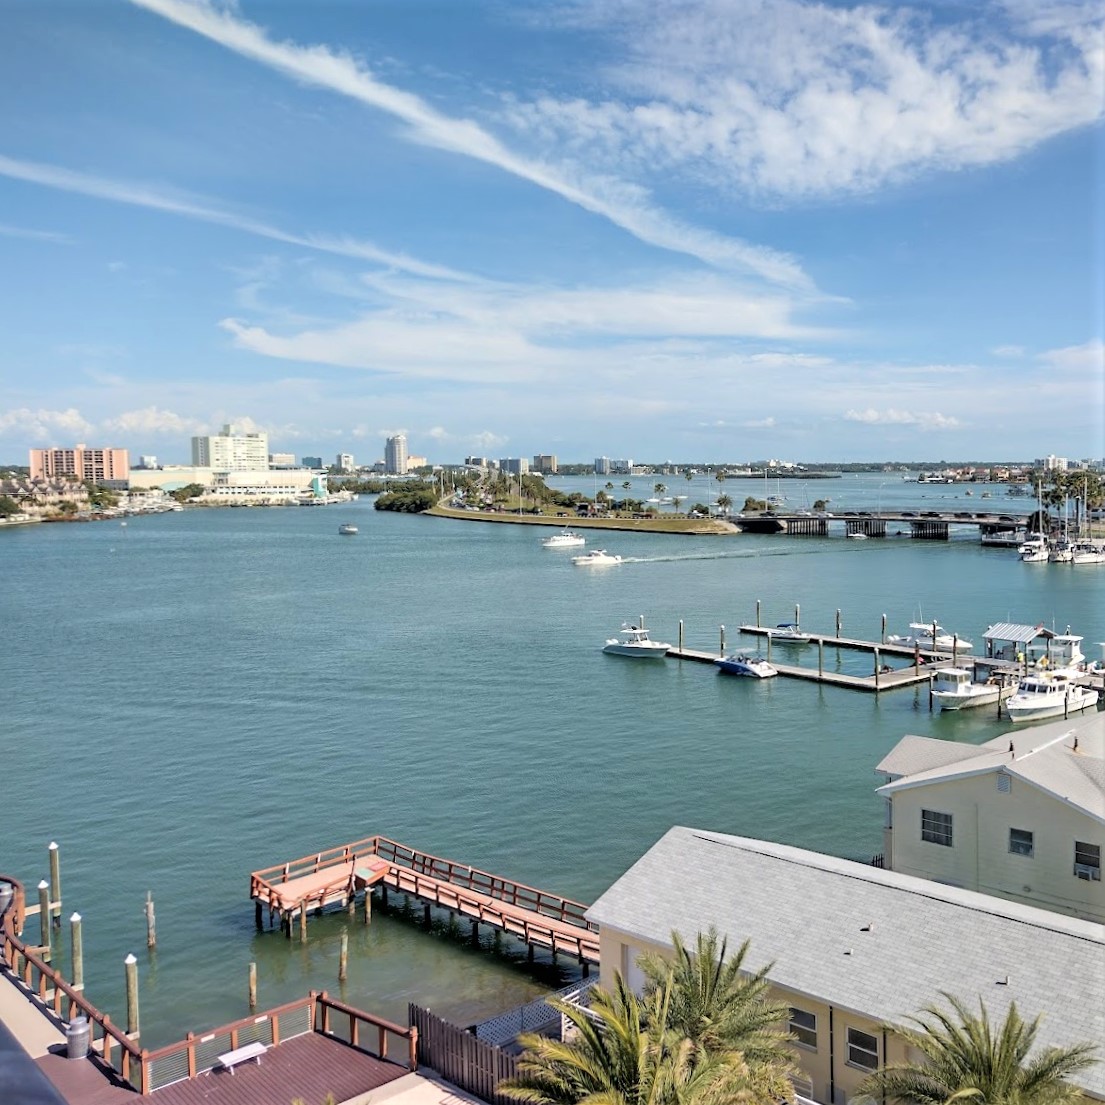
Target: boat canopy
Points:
(1017, 634)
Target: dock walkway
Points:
(335, 876)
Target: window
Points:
(803, 1025)
(936, 828)
(863, 1049)
(1021, 842)
(1087, 861)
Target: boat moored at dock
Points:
(1055, 694)
(961, 689)
(929, 635)
(742, 664)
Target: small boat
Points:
(347, 529)
(739, 664)
(957, 689)
(596, 558)
(856, 536)
(1052, 695)
(633, 640)
(789, 633)
(1085, 552)
(566, 539)
(930, 636)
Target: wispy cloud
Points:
(51, 236)
(1087, 360)
(176, 203)
(625, 204)
(789, 99)
(924, 420)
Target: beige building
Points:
(856, 949)
(231, 451)
(105, 466)
(1021, 816)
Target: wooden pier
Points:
(337, 875)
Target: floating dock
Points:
(336, 876)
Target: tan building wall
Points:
(828, 1064)
(980, 857)
(97, 465)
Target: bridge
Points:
(927, 525)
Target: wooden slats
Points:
(460, 1058)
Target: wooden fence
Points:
(461, 1058)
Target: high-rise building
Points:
(343, 462)
(602, 466)
(281, 460)
(514, 466)
(107, 466)
(545, 462)
(395, 455)
(146, 460)
(311, 462)
(231, 452)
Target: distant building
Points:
(545, 462)
(282, 460)
(621, 467)
(1052, 464)
(311, 462)
(147, 461)
(477, 462)
(602, 466)
(1021, 816)
(231, 452)
(417, 462)
(514, 466)
(343, 462)
(110, 467)
(395, 455)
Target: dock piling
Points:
(368, 905)
(44, 917)
(343, 957)
(131, 965)
(882, 636)
(931, 680)
(253, 985)
(820, 657)
(258, 916)
(723, 640)
(151, 922)
(55, 883)
(680, 634)
(757, 613)
(797, 614)
(877, 671)
(838, 621)
(77, 951)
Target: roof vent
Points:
(1003, 981)
(848, 952)
(868, 927)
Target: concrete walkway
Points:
(31, 1025)
(423, 1088)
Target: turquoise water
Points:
(193, 696)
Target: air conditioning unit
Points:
(1088, 872)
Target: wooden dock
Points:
(336, 876)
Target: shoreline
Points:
(699, 527)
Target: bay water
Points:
(193, 696)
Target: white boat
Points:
(596, 558)
(739, 664)
(930, 636)
(1085, 552)
(347, 530)
(633, 640)
(957, 689)
(1052, 695)
(789, 633)
(856, 536)
(1060, 552)
(567, 539)
(1034, 552)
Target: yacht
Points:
(746, 665)
(958, 689)
(347, 529)
(789, 633)
(929, 636)
(1061, 551)
(1085, 552)
(633, 640)
(1051, 695)
(567, 539)
(598, 558)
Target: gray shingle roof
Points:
(875, 942)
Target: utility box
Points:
(78, 1038)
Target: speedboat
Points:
(347, 530)
(957, 689)
(789, 633)
(856, 536)
(930, 636)
(633, 640)
(739, 664)
(1052, 695)
(597, 558)
(567, 539)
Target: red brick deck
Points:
(307, 1067)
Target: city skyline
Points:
(862, 232)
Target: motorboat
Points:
(596, 558)
(856, 536)
(633, 640)
(347, 529)
(1054, 694)
(566, 539)
(1060, 552)
(1085, 552)
(959, 689)
(1035, 549)
(929, 636)
(740, 664)
(789, 633)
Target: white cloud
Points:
(627, 205)
(787, 99)
(1080, 360)
(45, 426)
(759, 424)
(150, 421)
(1008, 351)
(923, 420)
(173, 202)
(51, 236)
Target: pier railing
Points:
(56, 994)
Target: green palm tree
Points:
(659, 488)
(966, 1057)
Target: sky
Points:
(699, 230)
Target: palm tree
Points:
(967, 1058)
(724, 502)
(659, 488)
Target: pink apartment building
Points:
(97, 465)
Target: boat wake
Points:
(746, 555)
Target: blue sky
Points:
(710, 230)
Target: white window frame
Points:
(1023, 847)
(934, 829)
(860, 1048)
(797, 1027)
